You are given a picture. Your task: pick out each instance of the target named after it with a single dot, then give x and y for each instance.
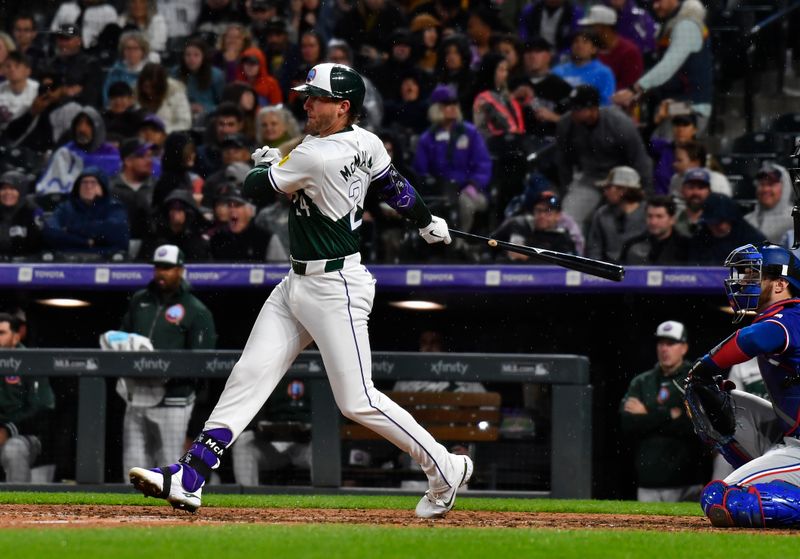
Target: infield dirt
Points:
(18, 516)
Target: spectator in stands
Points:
(216, 15)
(276, 125)
(427, 32)
(452, 158)
(400, 61)
(242, 241)
(304, 16)
(280, 53)
(409, 110)
(90, 17)
(181, 16)
(18, 92)
(259, 12)
(233, 41)
(684, 70)
(660, 244)
(483, 22)
(134, 185)
(585, 69)
(635, 24)
(235, 152)
(20, 227)
(453, 69)
(204, 82)
(90, 221)
(684, 130)
(669, 457)
(153, 131)
(312, 52)
(40, 127)
(143, 16)
(178, 221)
(134, 51)
(164, 97)
(278, 436)
(339, 52)
(157, 410)
(6, 46)
(87, 148)
(721, 229)
(253, 70)
(595, 140)
(622, 217)
(27, 39)
(543, 95)
(552, 20)
(26, 404)
(227, 119)
(176, 164)
(121, 116)
(695, 190)
(773, 212)
(244, 96)
(511, 48)
(536, 226)
(621, 55)
(78, 70)
(368, 26)
(692, 155)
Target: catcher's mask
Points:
(748, 266)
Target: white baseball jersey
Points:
(328, 180)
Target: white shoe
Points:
(437, 505)
(158, 483)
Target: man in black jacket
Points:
(20, 230)
(660, 244)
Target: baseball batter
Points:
(760, 439)
(326, 297)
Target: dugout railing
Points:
(567, 375)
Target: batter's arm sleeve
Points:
(256, 186)
(394, 189)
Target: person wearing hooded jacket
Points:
(253, 70)
(20, 232)
(773, 212)
(90, 221)
(179, 222)
(87, 148)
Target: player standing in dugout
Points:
(326, 297)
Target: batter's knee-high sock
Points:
(203, 456)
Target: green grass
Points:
(329, 541)
(362, 502)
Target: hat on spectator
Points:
(18, 181)
(443, 94)
(769, 171)
(276, 25)
(423, 21)
(153, 121)
(134, 146)
(119, 89)
(548, 198)
(229, 193)
(685, 119)
(168, 255)
(69, 30)
(671, 330)
(236, 172)
(623, 176)
(402, 36)
(584, 97)
(234, 141)
(718, 208)
(697, 174)
(538, 44)
(599, 15)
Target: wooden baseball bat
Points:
(599, 268)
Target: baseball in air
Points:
(492, 243)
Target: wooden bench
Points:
(448, 416)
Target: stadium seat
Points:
(741, 171)
(761, 145)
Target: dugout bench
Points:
(568, 375)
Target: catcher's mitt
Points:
(711, 408)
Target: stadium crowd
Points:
(129, 124)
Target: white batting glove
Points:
(266, 156)
(436, 231)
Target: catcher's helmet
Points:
(748, 265)
(336, 81)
